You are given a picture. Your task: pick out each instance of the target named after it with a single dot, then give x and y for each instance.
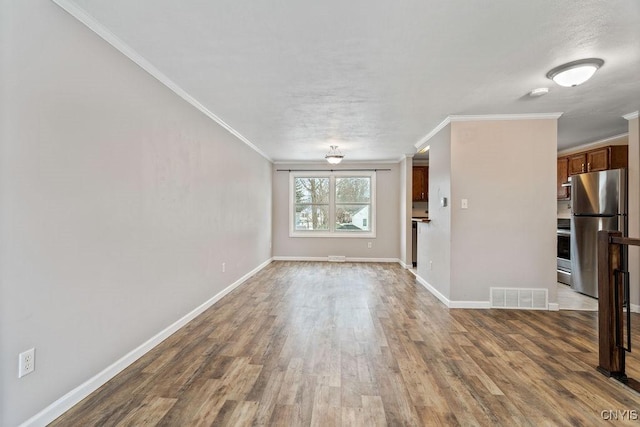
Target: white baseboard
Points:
(470, 304)
(635, 308)
(395, 260)
(325, 259)
(453, 304)
(483, 305)
(433, 290)
(67, 401)
(300, 258)
(404, 265)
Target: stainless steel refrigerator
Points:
(598, 202)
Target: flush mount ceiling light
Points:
(334, 156)
(575, 73)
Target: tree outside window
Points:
(353, 198)
(312, 203)
(336, 204)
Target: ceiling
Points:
(374, 77)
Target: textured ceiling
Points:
(373, 76)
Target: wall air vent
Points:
(337, 258)
(519, 298)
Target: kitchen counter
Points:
(420, 219)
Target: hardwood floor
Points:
(568, 299)
(329, 344)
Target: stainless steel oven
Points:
(564, 250)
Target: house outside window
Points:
(332, 204)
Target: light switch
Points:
(464, 204)
(443, 202)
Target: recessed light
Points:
(575, 73)
(539, 92)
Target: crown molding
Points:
(91, 23)
(590, 145)
(422, 141)
(482, 117)
(631, 116)
(404, 157)
(336, 167)
(499, 117)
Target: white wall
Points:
(386, 244)
(406, 182)
(434, 238)
(507, 236)
(119, 202)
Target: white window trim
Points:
(332, 205)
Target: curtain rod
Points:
(331, 170)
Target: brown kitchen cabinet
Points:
(599, 159)
(577, 163)
(563, 177)
(420, 183)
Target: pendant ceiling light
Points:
(334, 156)
(575, 73)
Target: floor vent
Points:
(337, 258)
(517, 298)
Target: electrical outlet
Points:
(369, 245)
(224, 266)
(26, 362)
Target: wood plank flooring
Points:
(568, 299)
(362, 344)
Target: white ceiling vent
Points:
(517, 298)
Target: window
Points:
(311, 203)
(332, 204)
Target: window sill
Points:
(338, 235)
